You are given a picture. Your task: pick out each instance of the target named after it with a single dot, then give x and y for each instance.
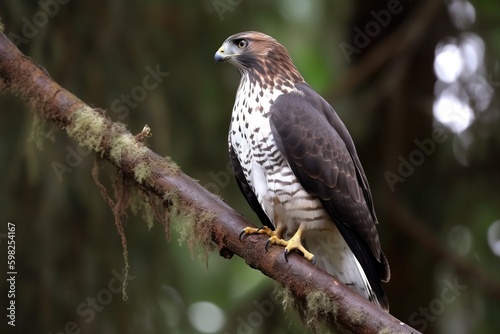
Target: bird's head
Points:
(257, 53)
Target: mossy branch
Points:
(321, 299)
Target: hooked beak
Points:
(219, 56)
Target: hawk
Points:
(297, 166)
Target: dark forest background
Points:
(416, 83)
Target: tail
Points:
(333, 255)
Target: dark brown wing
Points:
(246, 190)
(321, 153)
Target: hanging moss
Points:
(41, 131)
(118, 207)
(141, 205)
(150, 207)
(194, 227)
(285, 295)
(318, 307)
(315, 312)
(142, 171)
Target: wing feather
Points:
(321, 153)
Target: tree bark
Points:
(335, 305)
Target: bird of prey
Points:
(297, 166)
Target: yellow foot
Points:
(293, 244)
(261, 230)
(275, 238)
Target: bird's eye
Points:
(242, 43)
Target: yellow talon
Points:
(275, 239)
(278, 241)
(295, 244)
(261, 230)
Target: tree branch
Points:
(321, 298)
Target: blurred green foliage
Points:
(68, 252)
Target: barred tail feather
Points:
(333, 255)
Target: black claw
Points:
(313, 260)
(260, 228)
(268, 242)
(241, 234)
(286, 255)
